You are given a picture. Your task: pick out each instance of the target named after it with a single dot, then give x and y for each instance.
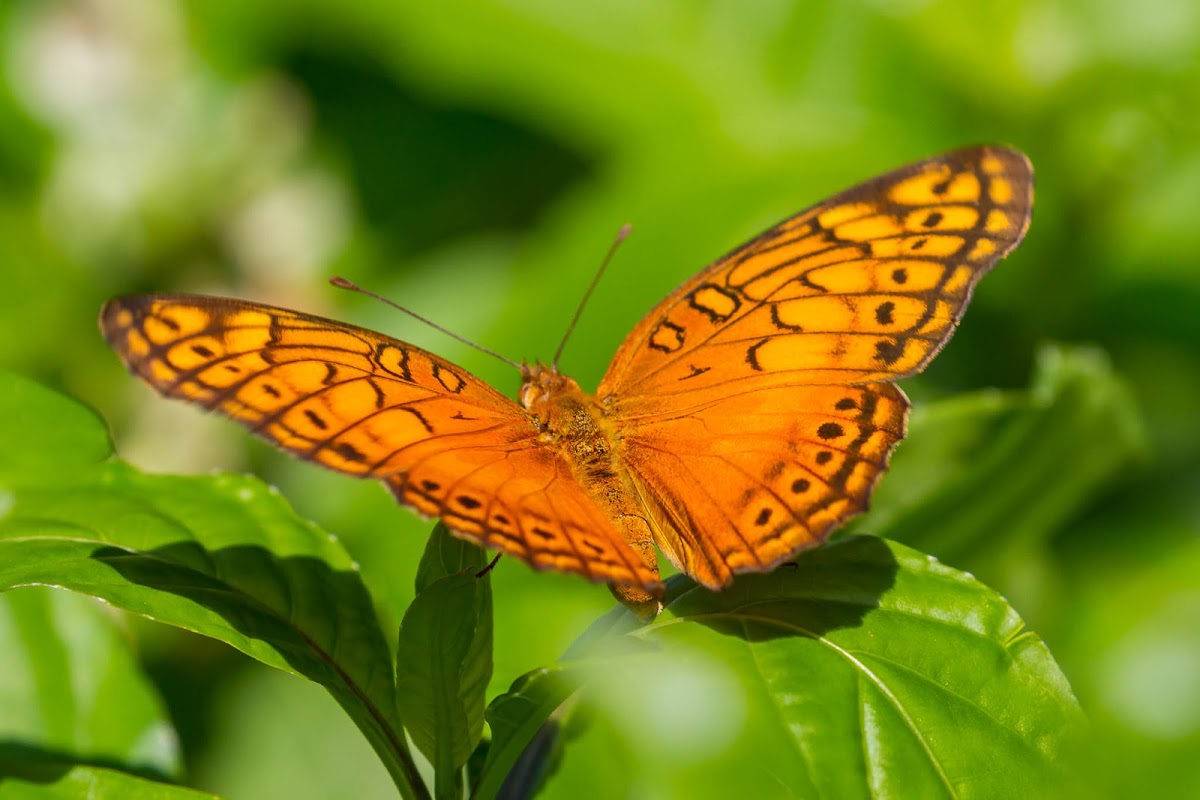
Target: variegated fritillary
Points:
(745, 416)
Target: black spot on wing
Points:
(889, 352)
(752, 355)
(349, 452)
(830, 430)
(884, 313)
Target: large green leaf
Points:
(71, 688)
(221, 555)
(444, 660)
(52, 435)
(50, 780)
(866, 669)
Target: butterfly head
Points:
(541, 385)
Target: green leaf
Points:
(444, 659)
(994, 472)
(35, 779)
(515, 718)
(52, 434)
(865, 669)
(446, 554)
(70, 686)
(220, 555)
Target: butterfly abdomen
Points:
(575, 425)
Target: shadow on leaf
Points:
(824, 589)
(311, 616)
(36, 764)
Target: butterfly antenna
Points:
(621, 234)
(343, 283)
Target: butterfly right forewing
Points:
(352, 400)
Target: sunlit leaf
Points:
(865, 669)
(444, 659)
(70, 686)
(52, 780)
(220, 555)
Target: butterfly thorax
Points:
(571, 421)
(573, 424)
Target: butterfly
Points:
(741, 421)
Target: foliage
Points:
(472, 161)
(865, 666)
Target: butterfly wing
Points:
(754, 404)
(352, 400)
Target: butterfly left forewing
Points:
(866, 286)
(353, 400)
(342, 396)
(753, 403)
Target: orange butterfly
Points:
(745, 416)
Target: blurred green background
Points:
(473, 160)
